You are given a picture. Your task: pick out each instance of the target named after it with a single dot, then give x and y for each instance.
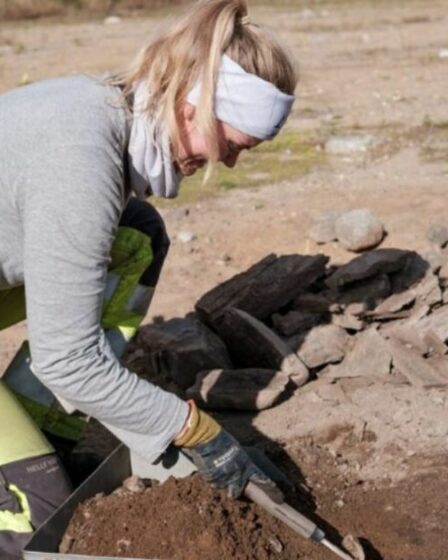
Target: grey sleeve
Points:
(72, 205)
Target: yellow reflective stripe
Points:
(54, 421)
(127, 332)
(17, 522)
(20, 437)
(131, 255)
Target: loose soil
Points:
(187, 519)
(181, 519)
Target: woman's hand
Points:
(219, 458)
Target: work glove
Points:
(219, 458)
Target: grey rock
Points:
(407, 335)
(180, 348)
(443, 273)
(437, 322)
(435, 346)
(438, 234)
(323, 230)
(254, 345)
(244, 389)
(324, 344)
(394, 303)
(428, 290)
(263, 289)
(295, 321)
(345, 145)
(368, 292)
(417, 370)
(358, 230)
(369, 264)
(370, 357)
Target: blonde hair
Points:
(191, 50)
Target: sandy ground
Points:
(365, 68)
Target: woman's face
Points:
(192, 151)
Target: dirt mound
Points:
(181, 519)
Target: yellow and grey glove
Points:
(219, 458)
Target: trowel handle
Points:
(291, 517)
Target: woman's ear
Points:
(188, 112)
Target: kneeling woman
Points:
(86, 255)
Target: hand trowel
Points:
(298, 522)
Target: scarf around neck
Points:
(151, 168)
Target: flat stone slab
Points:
(324, 344)
(371, 263)
(395, 303)
(243, 389)
(437, 322)
(252, 344)
(180, 348)
(263, 289)
(370, 357)
(417, 370)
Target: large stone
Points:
(395, 303)
(324, 344)
(254, 345)
(368, 292)
(323, 230)
(428, 290)
(358, 230)
(408, 276)
(369, 357)
(244, 389)
(263, 289)
(295, 321)
(437, 322)
(381, 261)
(180, 348)
(417, 370)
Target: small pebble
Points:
(112, 20)
(276, 545)
(134, 484)
(443, 53)
(186, 236)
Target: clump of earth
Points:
(177, 520)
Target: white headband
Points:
(246, 102)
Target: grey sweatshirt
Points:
(62, 150)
